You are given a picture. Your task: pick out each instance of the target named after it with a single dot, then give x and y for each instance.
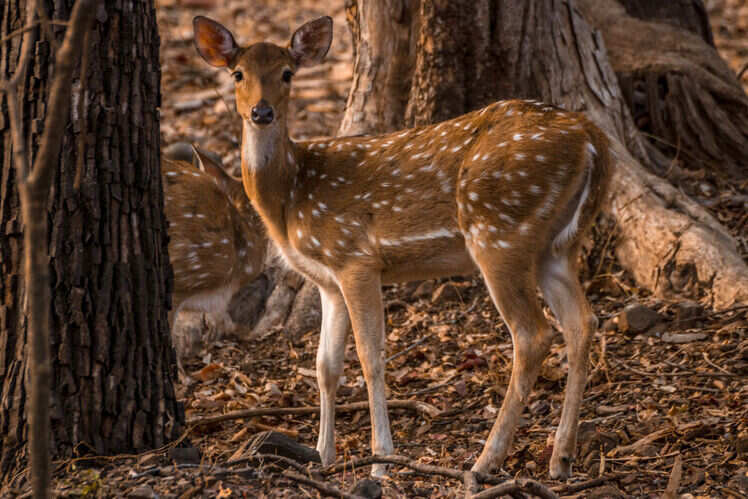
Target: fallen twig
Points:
(671, 492)
(644, 441)
(413, 405)
(263, 427)
(261, 458)
(322, 487)
(719, 368)
(405, 350)
(573, 488)
(681, 373)
(522, 485)
(426, 469)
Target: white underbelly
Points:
(215, 300)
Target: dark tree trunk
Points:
(469, 53)
(113, 364)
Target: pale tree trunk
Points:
(469, 53)
(112, 361)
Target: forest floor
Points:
(667, 377)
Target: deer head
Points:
(262, 71)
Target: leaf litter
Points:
(674, 390)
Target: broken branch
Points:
(522, 485)
(412, 405)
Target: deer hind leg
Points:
(335, 327)
(176, 342)
(363, 295)
(560, 286)
(512, 289)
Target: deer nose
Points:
(262, 113)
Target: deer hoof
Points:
(560, 467)
(378, 470)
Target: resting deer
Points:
(216, 241)
(508, 189)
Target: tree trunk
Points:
(113, 364)
(469, 53)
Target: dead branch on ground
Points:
(413, 405)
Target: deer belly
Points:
(449, 261)
(423, 255)
(212, 300)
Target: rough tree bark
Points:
(469, 53)
(113, 364)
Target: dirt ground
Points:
(666, 381)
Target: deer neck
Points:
(269, 169)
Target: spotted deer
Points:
(508, 189)
(216, 240)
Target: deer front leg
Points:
(335, 326)
(363, 295)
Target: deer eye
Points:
(287, 74)
(238, 76)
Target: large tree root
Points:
(669, 243)
(677, 86)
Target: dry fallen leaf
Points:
(209, 372)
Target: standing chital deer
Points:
(216, 240)
(509, 188)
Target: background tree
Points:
(113, 364)
(423, 62)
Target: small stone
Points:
(368, 488)
(531, 466)
(273, 391)
(142, 492)
(707, 190)
(637, 318)
(680, 338)
(445, 292)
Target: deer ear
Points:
(212, 167)
(310, 43)
(214, 42)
